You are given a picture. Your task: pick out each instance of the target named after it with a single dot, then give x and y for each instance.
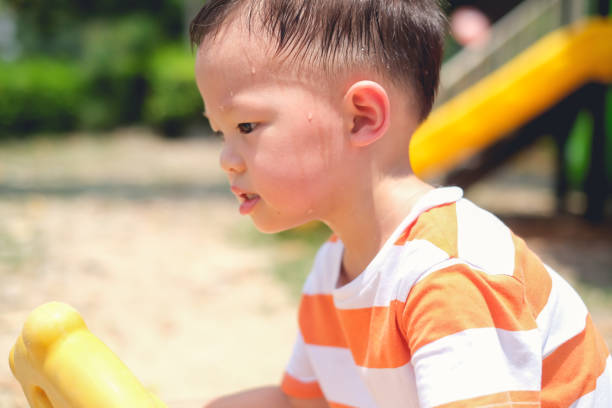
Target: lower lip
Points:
(247, 206)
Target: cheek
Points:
(292, 171)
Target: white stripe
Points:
(392, 387)
(477, 362)
(483, 240)
(563, 316)
(299, 367)
(324, 274)
(339, 377)
(424, 257)
(442, 265)
(325, 270)
(601, 396)
(395, 278)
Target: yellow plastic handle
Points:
(61, 364)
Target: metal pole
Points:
(566, 12)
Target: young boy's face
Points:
(283, 144)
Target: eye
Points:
(246, 127)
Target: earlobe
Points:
(367, 112)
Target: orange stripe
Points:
(304, 390)
(375, 337)
(333, 238)
(531, 271)
(508, 399)
(446, 302)
(571, 371)
(337, 405)
(458, 298)
(319, 322)
(438, 226)
(405, 234)
(372, 334)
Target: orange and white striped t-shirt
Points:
(454, 311)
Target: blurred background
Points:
(96, 65)
(111, 198)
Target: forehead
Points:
(237, 65)
(241, 49)
(228, 64)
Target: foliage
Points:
(55, 27)
(173, 101)
(114, 62)
(119, 82)
(103, 53)
(39, 93)
(578, 149)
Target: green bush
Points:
(105, 88)
(173, 101)
(39, 95)
(116, 56)
(115, 84)
(55, 28)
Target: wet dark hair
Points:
(402, 40)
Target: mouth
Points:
(248, 201)
(248, 196)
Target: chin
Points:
(274, 227)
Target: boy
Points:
(420, 299)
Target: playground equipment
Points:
(61, 364)
(513, 95)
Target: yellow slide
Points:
(518, 92)
(61, 364)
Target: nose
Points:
(231, 162)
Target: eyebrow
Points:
(232, 107)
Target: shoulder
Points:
(457, 298)
(478, 285)
(467, 232)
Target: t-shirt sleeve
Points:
(473, 340)
(299, 380)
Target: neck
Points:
(372, 220)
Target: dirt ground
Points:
(141, 236)
(137, 234)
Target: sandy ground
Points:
(142, 238)
(155, 270)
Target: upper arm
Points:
(308, 403)
(265, 397)
(472, 339)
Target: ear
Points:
(367, 112)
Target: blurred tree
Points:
(174, 100)
(115, 60)
(54, 28)
(110, 43)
